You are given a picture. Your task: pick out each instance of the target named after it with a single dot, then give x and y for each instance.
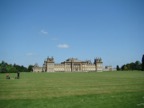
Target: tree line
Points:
(13, 68)
(132, 66)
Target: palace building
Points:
(70, 65)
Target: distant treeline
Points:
(130, 66)
(12, 68)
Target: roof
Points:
(72, 60)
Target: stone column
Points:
(65, 66)
(71, 66)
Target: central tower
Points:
(50, 64)
(98, 64)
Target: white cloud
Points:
(44, 32)
(63, 46)
(29, 54)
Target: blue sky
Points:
(32, 30)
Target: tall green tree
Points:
(12, 70)
(137, 65)
(30, 68)
(124, 67)
(132, 66)
(118, 68)
(143, 63)
(20, 68)
(3, 67)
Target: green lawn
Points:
(73, 90)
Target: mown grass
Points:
(73, 90)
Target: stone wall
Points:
(70, 65)
(89, 67)
(50, 67)
(59, 67)
(99, 67)
(37, 69)
(67, 68)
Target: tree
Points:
(12, 70)
(128, 66)
(143, 63)
(30, 68)
(3, 67)
(124, 67)
(118, 68)
(131, 66)
(137, 65)
(20, 68)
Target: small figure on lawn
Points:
(7, 76)
(18, 75)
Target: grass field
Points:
(73, 90)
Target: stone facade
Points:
(70, 65)
(36, 68)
